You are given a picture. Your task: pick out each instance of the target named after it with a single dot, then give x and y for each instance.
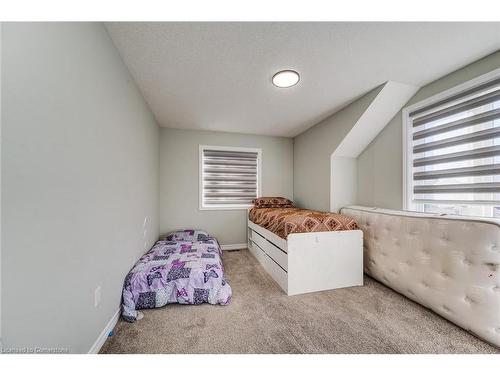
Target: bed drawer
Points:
(276, 272)
(270, 249)
(258, 239)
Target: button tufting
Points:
(449, 265)
(491, 266)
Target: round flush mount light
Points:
(286, 78)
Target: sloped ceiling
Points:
(343, 165)
(391, 98)
(217, 76)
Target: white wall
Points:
(80, 163)
(344, 180)
(179, 180)
(380, 166)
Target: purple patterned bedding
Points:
(184, 268)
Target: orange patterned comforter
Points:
(283, 221)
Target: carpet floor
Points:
(262, 319)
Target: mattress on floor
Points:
(284, 221)
(184, 268)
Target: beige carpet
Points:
(262, 319)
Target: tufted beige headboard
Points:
(449, 264)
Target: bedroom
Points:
(250, 187)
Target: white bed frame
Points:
(309, 262)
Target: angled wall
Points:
(380, 165)
(325, 156)
(344, 164)
(313, 149)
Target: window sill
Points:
(225, 208)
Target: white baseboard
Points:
(105, 332)
(236, 246)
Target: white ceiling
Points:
(217, 76)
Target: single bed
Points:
(186, 267)
(305, 250)
(288, 220)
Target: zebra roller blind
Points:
(229, 177)
(455, 153)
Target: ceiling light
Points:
(286, 78)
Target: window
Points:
(453, 150)
(229, 177)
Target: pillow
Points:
(191, 235)
(272, 202)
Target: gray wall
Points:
(380, 166)
(312, 150)
(80, 162)
(179, 180)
